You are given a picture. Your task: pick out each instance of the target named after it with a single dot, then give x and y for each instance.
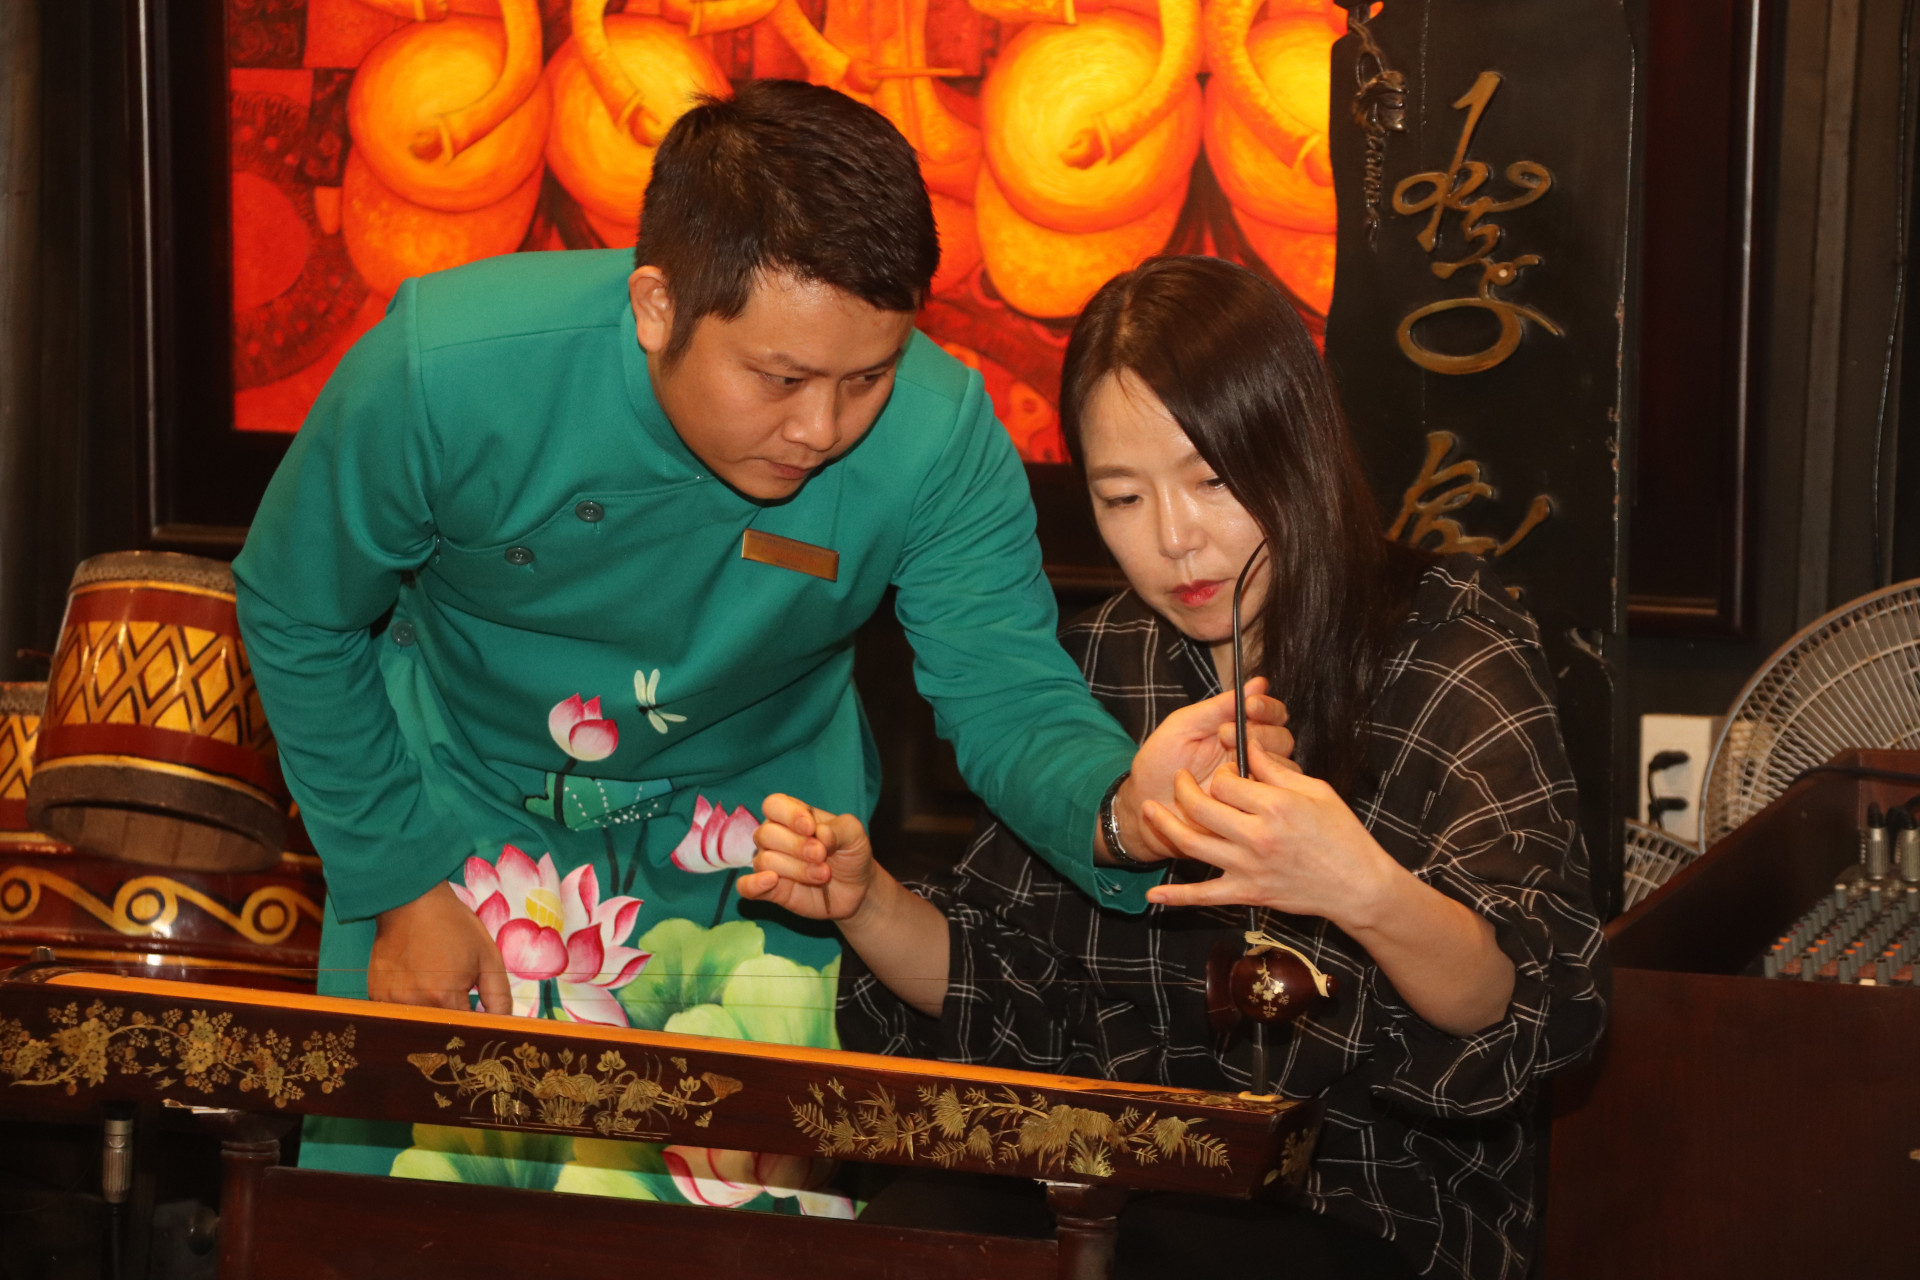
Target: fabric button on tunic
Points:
(599, 691)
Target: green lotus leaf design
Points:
(691, 966)
(486, 1157)
(603, 1167)
(770, 999)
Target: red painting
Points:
(1063, 141)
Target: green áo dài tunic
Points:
(584, 692)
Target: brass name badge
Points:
(790, 553)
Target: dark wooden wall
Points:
(67, 440)
(1836, 513)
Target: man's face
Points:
(766, 399)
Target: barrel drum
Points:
(20, 707)
(153, 745)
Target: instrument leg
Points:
(1085, 1227)
(249, 1146)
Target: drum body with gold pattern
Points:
(153, 744)
(245, 929)
(20, 707)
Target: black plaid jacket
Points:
(1428, 1140)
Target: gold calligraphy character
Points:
(1454, 190)
(1426, 508)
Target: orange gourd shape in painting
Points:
(448, 119)
(1266, 136)
(1091, 131)
(618, 85)
(392, 239)
(876, 51)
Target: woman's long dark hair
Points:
(1233, 364)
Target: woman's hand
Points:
(1196, 740)
(820, 865)
(1289, 842)
(1281, 839)
(814, 863)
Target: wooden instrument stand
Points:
(249, 1063)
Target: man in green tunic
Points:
(622, 525)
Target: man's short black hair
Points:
(785, 176)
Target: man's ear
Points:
(652, 308)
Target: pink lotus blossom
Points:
(549, 928)
(579, 731)
(716, 841)
(725, 1179)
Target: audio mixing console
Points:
(1867, 929)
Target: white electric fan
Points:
(1849, 679)
(1652, 856)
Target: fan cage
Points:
(1849, 679)
(1653, 856)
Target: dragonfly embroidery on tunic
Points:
(646, 688)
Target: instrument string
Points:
(202, 970)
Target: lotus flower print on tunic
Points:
(579, 730)
(549, 929)
(724, 1179)
(717, 840)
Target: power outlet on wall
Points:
(1670, 793)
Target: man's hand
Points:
(814, 863)
(1197, 739)
(433, 951)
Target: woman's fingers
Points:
(805, 871)
(825, 829)
(776, 838)
(1276, 769)
(786, 811)
(1223, 891)
(759, 884)
(1186, 840)
(815, 843)
(844, 833)
(1217, 811)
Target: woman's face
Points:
(1179, 535)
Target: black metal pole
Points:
(1261, 1071)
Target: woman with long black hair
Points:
(1421, 847)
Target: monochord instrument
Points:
(251, 1061)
